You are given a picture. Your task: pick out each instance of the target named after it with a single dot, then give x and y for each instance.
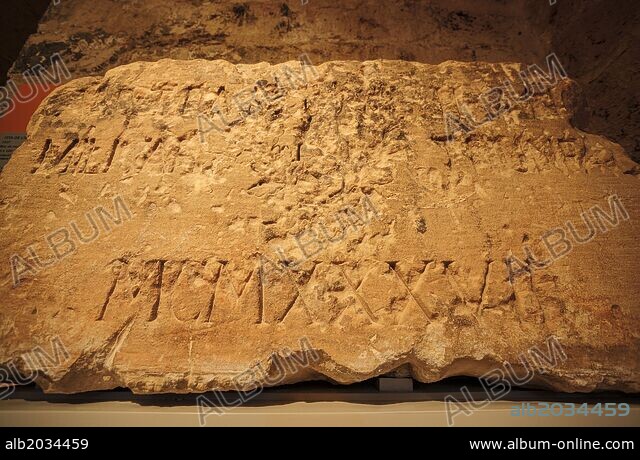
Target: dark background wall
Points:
(18, 20)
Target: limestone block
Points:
(179, 223)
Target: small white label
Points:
(9, 142)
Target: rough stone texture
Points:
(597, 43)
(95, 37)
(173, 299)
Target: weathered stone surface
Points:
(95, 37)
(595, 42)
(182, 296)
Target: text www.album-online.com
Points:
(573, 444)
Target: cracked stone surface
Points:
(95, 37)
(333, 210)
(595, 42)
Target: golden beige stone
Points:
(263, 208)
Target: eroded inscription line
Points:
(363, 302)
(415, 299)
(156, 305)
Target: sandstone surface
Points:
(596, 43)
(324, 212)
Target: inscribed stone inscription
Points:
(327, 208)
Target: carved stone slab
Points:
(177, 224)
